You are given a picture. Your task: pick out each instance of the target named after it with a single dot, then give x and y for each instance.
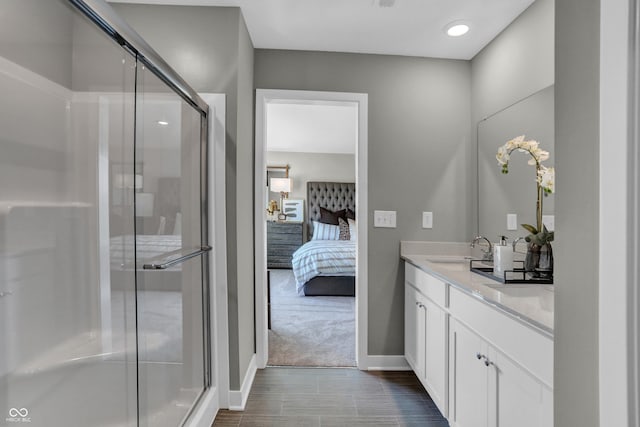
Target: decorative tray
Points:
(517, 275)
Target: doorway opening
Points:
(293, 224)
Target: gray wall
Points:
(419, 152)
(516, 64)
(46, 47)
(314, 167)
(577, 205)
(210, 48)
(245, 203)
(525, 58)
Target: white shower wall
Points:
(47, 238)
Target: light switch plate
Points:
(427, 219)
(512, 221)
(549, 221)
(384, 219)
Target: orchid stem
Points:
(539, 209)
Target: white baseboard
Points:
(238, 399)
(388, 363)
(206, 411)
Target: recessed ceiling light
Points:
(163, 123)
(386, 3)
(456, 29)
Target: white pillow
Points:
(323, 231)
(353, 230)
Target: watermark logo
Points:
(18, 415)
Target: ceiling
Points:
(391, 27)
(311, 127)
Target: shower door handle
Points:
(165, 265)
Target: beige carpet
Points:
(309, 331)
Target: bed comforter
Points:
(323, 258)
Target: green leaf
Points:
(530, 228)
(546, 235)
(537, 239)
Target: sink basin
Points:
(451, 263)
(451, 266)
(443, 259)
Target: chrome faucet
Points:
(515, 242)
(487, 255)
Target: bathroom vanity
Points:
(482, 349)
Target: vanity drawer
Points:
(429, 286)
(532, 349)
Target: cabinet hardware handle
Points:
(487, 362)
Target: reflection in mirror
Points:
(275, 172)
(514, 193)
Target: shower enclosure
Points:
(103, 224)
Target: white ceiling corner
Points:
(390, 27)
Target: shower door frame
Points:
(101, 14)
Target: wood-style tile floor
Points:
(334, 397)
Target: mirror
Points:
(515, 192)
(275, 172)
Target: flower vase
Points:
(539, 261)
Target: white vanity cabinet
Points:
(481, 365)
(414, 330)
(426, 332)
(500, 371)
(468, 378)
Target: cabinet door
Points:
(436, 353)
(468, 378)
(516, 397)
(414, 331)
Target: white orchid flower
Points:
(514, 143)
(546, 179)
(503, 156)
(543, 155)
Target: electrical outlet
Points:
(384, 219)
(512, 221)
(427, 219)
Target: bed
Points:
(150, 249)
(160, 238)
(326, 267)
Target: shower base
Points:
(95, 394)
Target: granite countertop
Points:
(529, 303)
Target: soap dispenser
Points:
(502, 258)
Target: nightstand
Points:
(283, 238)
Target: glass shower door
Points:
(170, 254)
(103, 273)
(67, 316)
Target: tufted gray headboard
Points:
(330, 195)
